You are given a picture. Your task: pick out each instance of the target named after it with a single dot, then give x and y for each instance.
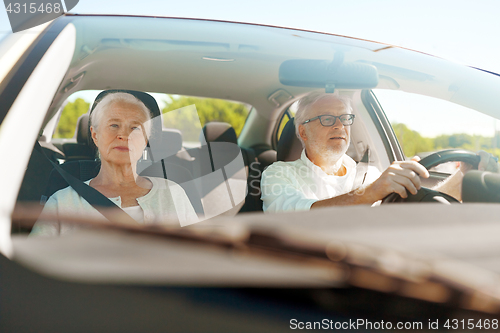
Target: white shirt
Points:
(294, 186)
(165, 203)
(135, 212)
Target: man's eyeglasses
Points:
(330, 120)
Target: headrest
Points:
(165, 145)
(267, 158)
(289, 146)
(82, 129)
(219, 132)
(172, 138)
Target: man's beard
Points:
(330, 154)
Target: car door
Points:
(34, 66)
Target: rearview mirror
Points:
(322, 73)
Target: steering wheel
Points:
(426, 194)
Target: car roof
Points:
(240, 61)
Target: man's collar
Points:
(305, 159)
(310, 164)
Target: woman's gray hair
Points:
(110, 99)
(305, 103)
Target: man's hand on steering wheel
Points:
(487, 162)
(482, 161)
(399, 177)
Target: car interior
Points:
(221, 175)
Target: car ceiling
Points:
(170, 56)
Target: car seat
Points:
(163, 162)
(81, 149)
(221, 169)
(289, 146)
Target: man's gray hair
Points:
(305, 103)
(110, 99)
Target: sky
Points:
(462, 31)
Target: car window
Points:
(424, 125)
(67, 122)
(185, 113)
(179, 112)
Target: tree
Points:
(442, 141)
(67, 123)
(460, 140)
(411, 141)
(183, 113)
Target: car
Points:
(224, 94)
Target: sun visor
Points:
(327, 74)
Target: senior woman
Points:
(120, 126)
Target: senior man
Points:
(326, 176)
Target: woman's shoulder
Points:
(68, 191)
(65, 193)
(67, 196)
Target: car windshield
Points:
(204, 106)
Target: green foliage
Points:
(67, 124)
(413, 143)
(207, 109)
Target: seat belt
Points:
(362, 169)
(252, 199)
(95, 198)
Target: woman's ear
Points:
(93, 134)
